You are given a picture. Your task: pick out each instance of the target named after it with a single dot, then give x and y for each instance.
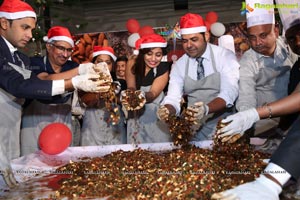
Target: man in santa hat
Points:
(17, 20)
(284, 162)
(39, 113)
(264, 71)
(207, 74)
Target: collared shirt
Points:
(12, 49)
(264, 79)
(226, 64)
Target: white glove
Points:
(163, 113)
(102, 67)
(141, 95)
(261, 188)
(86, 68)
(125, 112)
(86, 83)
(238, 124)
(124, 99)
(117, 86)
(5, 169)
(196, 112)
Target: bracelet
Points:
(270, 110)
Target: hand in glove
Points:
(238, 124)
(261, 188)
(163, 113)
(133, 100)
(6, 170)
(102, 67)
(87, 83)
(117, 86)
(142, 96)
(195, 113)
(86, 68)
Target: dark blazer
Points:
(13, 81)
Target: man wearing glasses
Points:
(39, 113)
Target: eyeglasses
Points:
(63, 49)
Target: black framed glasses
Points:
(63, 49)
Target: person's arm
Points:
(58, 76)
(129, 76)
(284, 106)
(157, 87)
(228, 68)
(216, 105)
(175, 87)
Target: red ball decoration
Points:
(211, 17)
(146, 30)
(132, 26)
(55, 138)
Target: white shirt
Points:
(226, 64)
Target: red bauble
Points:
(146, 30)
(211, 17)
(55, 138)
(132, 26)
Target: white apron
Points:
(205, 90)
(146, 128)
(278, 79)
(96, 131)
(10, 122)
(38, 115)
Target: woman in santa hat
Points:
(98, 127)
(147, 73)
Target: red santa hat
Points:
(97, 50)
(192, 23)
(16, 9)
(150, 41)
(59, 33)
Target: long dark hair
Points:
(138, 68)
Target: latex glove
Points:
(195, 112)
(141, 95)
(124, 99)
(125, 112)
(102, 67)
(117, 86)
(87, 83)
(261, 188)
(86, 68)
(6, 170)
(238, 124)
(163, 113)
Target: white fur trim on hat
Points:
(136, 52)
(62, 38)
(199, 29)
(18, 15)
(106, 53)
(153, 44)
